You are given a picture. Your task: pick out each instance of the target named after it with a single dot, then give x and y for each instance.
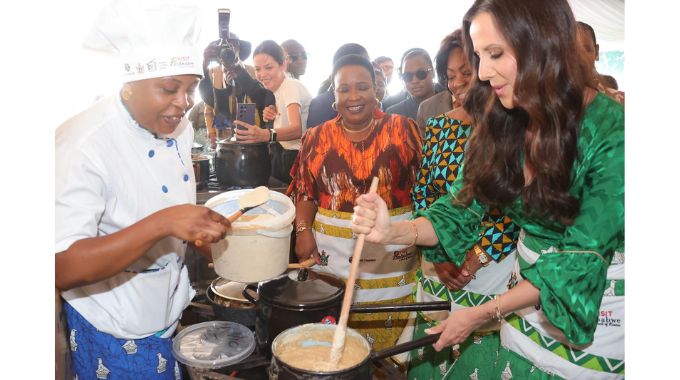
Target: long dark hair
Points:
(549, 105)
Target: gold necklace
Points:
(369, 125)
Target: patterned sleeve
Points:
(422, 189)
(456, 226)
(499, 235)
(302, 186)
(572, 278)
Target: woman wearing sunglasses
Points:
(488, 266)
(548, 150)
(337, 162)
(417, 73)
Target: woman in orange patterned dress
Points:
(336, 163)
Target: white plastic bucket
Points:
(256, 250)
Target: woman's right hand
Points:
(305, 246)
(372, 219)
(191, 222)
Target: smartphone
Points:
(246, 113)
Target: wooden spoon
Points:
(246, 202)
(341, 329)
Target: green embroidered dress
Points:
(443, 152)
(578, 330)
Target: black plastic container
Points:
(288, 301)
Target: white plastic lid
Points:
(279, 208)
(213, 344)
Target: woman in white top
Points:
(125, 199)
(290, 116)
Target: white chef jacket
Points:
(110, 173)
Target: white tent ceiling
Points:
(605, 16)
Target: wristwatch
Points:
(272, 135)
(481, 256)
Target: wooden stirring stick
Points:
(341, 329)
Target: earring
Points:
(126, 93)
(334, 107)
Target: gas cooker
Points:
(255, 366)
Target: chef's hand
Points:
(251, 134)
(190, 222)
(269, 113)
(458, 326)
(305, 246)
(372, 219)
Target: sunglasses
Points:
(420, 74)
(295, 57)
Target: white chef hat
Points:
(152, 38)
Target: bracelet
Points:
(301, 226)
(271, 136)
(415, 229)
(481, 256)
(499, 315)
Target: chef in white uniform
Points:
(126, 194)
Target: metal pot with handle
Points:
(308, 296)
(228, 303)
(242, 165)
(201, 164)
(303, 353)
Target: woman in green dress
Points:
(490, 262)
(547, 150)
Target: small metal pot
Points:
(201, 164)
(196, 148)
(242, 312)
(281, 370)
(242, 165)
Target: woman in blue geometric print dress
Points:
(446, 138)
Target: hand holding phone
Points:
(246, 113)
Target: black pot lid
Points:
(317, 290)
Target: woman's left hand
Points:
(458, 326)
(251, 133)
